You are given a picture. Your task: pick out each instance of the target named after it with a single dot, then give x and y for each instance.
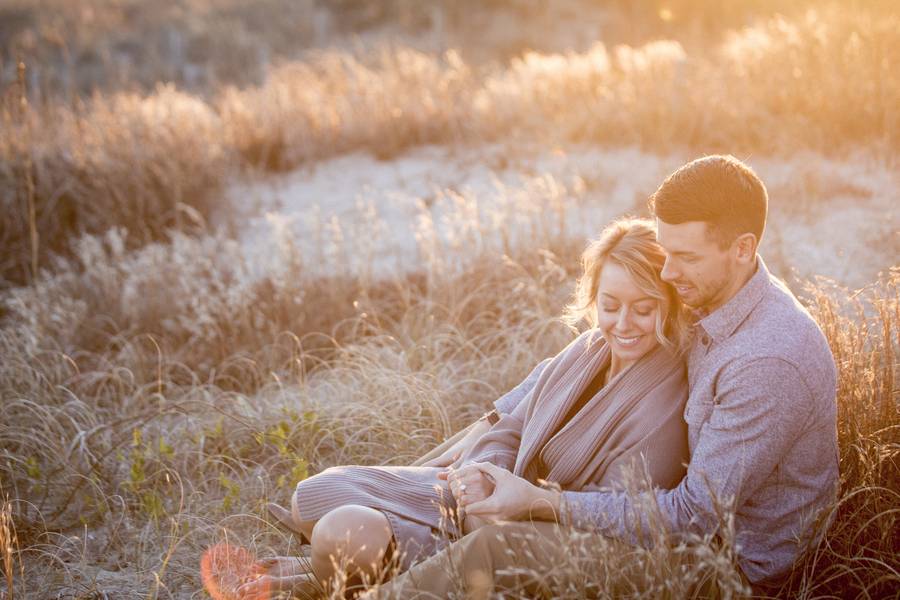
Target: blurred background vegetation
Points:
(72, 49)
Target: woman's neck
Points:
(616, 366)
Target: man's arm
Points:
(759, 410)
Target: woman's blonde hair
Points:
(631, 243)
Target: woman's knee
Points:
(354, 532)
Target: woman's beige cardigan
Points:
(635, 418)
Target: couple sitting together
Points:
(700, 371)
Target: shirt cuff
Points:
(565, 517)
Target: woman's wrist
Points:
(478, 429)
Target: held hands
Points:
(468, 484)
(507, 498)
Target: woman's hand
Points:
(448, 459)
(513, 499)
(452, 455)
(467, 484)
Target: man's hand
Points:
(513, 499)
(452, 455)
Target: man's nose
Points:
(668, 272)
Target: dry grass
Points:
(9, 548)
(75, 49)
(134, 433)
(339, 102)
(151, 164)
(158, 389)
(136, 439)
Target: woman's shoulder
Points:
(590, 339)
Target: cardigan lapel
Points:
(580, 451)
(568, 380)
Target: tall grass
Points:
(149, 164)
(338, 102)
(9, 547)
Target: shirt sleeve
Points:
(508, 401)
(756, 415)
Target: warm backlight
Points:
(224, 568)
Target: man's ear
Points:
(745, 247)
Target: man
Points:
(761, 414)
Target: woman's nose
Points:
(623, 320)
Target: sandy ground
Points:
(828, 218)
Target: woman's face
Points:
(626, 316)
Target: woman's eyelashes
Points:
(641, 311)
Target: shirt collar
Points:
(722, 322)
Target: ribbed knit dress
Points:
(565, 430)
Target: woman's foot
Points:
(267, 587)
(284, 518)
(284, 566)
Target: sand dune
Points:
(834, 219)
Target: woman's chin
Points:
(628, 354)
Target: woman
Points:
(610, 401)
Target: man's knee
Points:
(501, 535)
(487, 538)
(478, 556)
(488, 547)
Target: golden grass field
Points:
(164, 374)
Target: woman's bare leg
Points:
(355, 538)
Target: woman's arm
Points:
(506, 404)
(451, 456)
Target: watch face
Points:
(492, 417)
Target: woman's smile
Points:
(626, 316)
(627, 341)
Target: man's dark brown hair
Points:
(719, 190)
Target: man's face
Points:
(703, 273)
